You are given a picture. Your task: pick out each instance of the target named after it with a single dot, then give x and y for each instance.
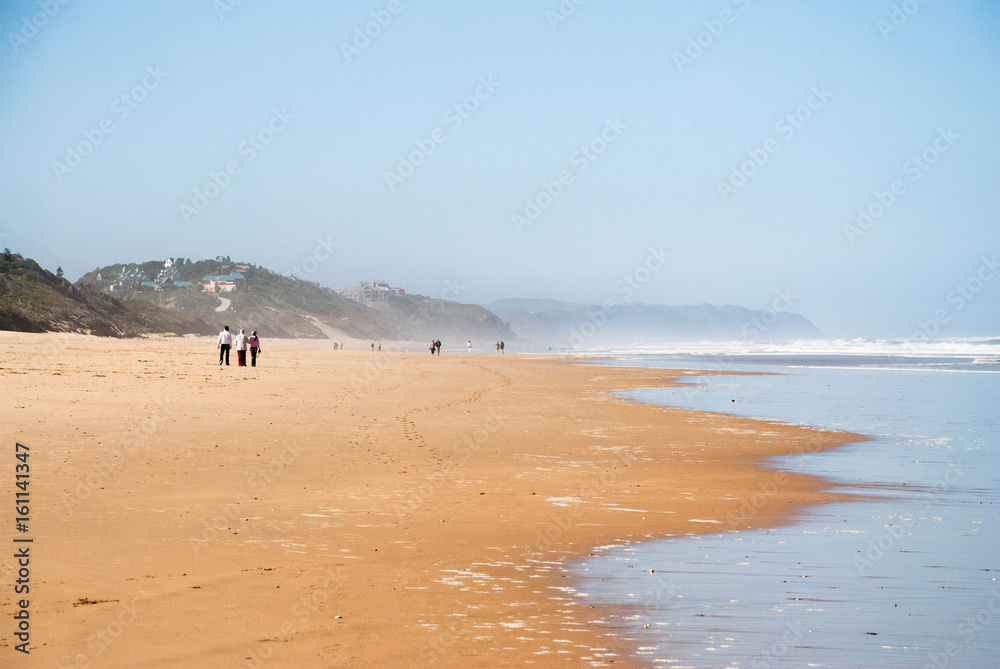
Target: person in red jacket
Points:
(241, 347)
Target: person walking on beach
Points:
(224, 344)
(254, 348)
(498, 347)
(501, 345)
(241, 347)
(437, 345)
(373, 346)
(380, 347)
(470, 346)
(432, 347)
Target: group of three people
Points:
(242, 342)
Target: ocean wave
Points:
(979, 349)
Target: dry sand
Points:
(349, 509)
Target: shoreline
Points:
(357, 509)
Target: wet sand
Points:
(348, 508)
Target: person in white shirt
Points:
(241, 347)
(470, 346)
(224, 344)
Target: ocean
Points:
(905, 576)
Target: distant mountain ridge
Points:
(181, 296)
(569, 325)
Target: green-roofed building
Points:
(222, 283)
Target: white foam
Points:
(986, 349)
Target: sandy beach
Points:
(349, 508)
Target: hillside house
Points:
(170, 284)
(128, 279)
(371, 291)
(223, 283)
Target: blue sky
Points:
(643, 109)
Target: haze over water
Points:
(907, 579)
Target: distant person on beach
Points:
(470, 346)
(241, 347)
(380, 347)
(433, 346)
(437, 345)
(254, 348)
(373, 346)
(224, 344)
(498, 347)
(501, 345)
